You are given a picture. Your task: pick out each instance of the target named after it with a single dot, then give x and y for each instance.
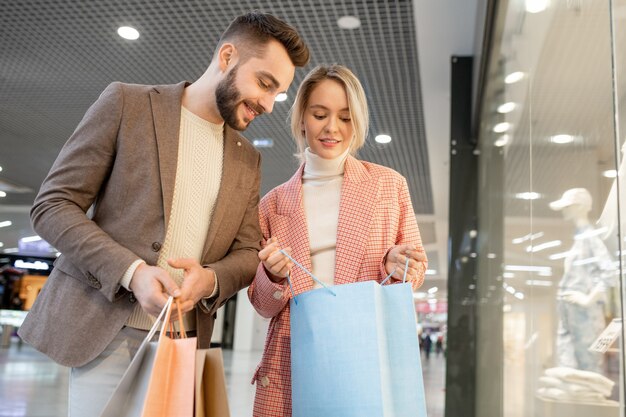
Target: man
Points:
(174, 190)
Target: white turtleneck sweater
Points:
(321, 192)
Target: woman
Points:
(343, 219)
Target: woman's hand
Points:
(396, 262)
(276, 264)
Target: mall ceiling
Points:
(57, 56)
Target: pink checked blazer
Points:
(375, 214)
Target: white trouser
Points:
(91, 385)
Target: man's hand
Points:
(198, 282)
(152, 286)
(396, 262)
(276, 264)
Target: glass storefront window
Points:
(550, 276)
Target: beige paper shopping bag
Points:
(171, 387)
(160, 379)
(211, 398)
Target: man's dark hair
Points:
(253, 29)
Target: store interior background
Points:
(57, 56)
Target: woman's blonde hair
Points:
(357, 104)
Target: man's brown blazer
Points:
(121, 159)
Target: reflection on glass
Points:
(549, 169)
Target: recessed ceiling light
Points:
(562, 139)
(538, 283)
(263, 143)
(611, 173)
(431, 272)
(528, 196)
(530, 236)
(281, 97)
(506, 107)
(536, 6)
(502, 127)
(6, 223)
(560, 255)
(502, 141)
(128, 32)
(3, 194)
(1, 244)
(349, 22)
(543, 246)
(514, 77)
(383, 138)
(0, 169)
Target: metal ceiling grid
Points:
(57, 56)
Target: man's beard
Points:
(227, 98)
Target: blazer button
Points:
(278, 295)
(132, 298)
(156, 246)
(265, 381)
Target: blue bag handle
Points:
(305, 270)
(406, 266)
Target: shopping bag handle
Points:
(406, 266)
(155, 325)
(305, 270)
(167, 322)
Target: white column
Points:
(250, 327)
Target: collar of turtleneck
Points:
(316, 167)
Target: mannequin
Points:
(588, 273)
(608, 218)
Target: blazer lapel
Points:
(359, 194)
(290, 206)
(230, 177)
(166, 102)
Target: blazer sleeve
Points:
(267, 297)
(408, 231)
(59, 211)
(236, 270)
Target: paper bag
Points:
(211, 397)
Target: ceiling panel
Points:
(57, 56)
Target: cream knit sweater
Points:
(198, 177)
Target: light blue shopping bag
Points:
(355, 352)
